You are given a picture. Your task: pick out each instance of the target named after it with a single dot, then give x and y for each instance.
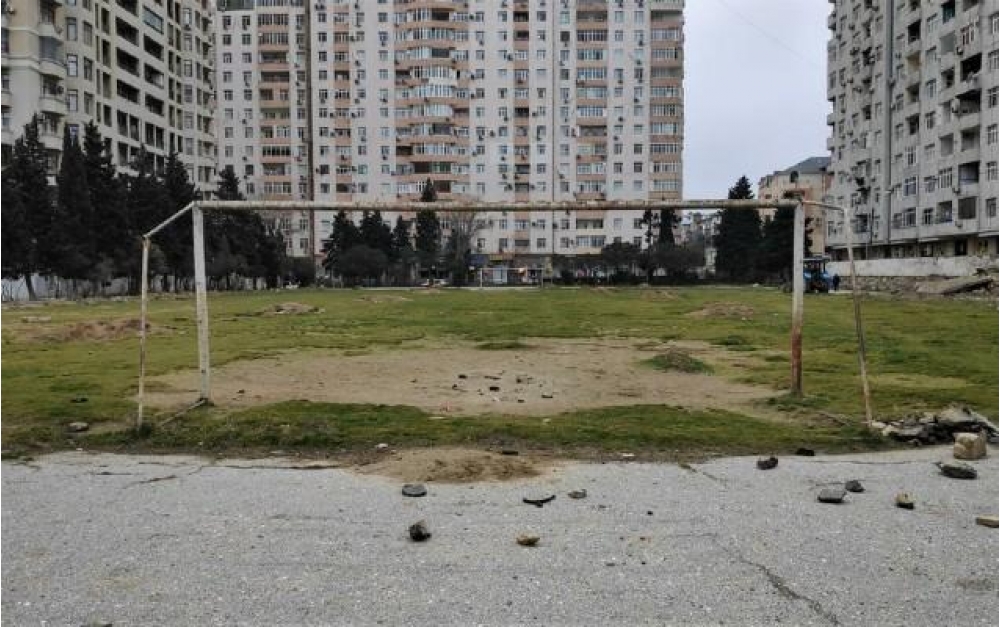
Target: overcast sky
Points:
(755, 98)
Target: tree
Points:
(148, 204)
(402, 254)
(374, 232)
(649, 222)
(27, 208)
(69, 246)
(668, 219)
(176, 240)
(429, 193)
(738, 239)
(459, 248)
(778, 242)
(345, 235)
(109, 220)
(620, 256)
(428, 241)
(229, 185)
(361, 262)
(677, 261)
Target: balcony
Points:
(52, 103)
(52, 66)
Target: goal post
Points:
(198, 207)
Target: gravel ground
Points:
(134, 540)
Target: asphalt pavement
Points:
(180, 540)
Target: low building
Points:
(812, 182)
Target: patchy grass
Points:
(677, 361)
(949, 346)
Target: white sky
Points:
(755, 89)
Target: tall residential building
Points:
(143, 71)
(914, 126)
(492, 100)
(811, 182)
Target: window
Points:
(991, 134)
(991, 171)
(72, 65)
(991, 207)
(910, 186)
(71, 32)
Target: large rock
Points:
(957, 470)
(964, 419)
(832, 495)
(970, 445)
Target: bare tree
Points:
(462, 228)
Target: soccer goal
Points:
(199, 207)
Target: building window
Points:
(991, 207)
(72, 65)
(991, 171)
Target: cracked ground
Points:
(135, 540)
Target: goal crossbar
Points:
(198, 207)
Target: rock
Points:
(767, 464)
(79, 399)
(628, 455)
(414, 489)
(832, 495)
(987, 521)
(805, 452)
(964, 419)
(904, 500)
(462, 376)
(970, 446)
(540, 501)
(957, 470)
(520, 400)
(97, 623)
(494, 388)
(419, 531)
(527, 540)
(509, 451)
(77, 427)
(546, 394)
(854, 486)
(907, 432)
(577, 494)
(878, 426)
(381, 446)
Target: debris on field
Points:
(79, 399)
(832, 495)
(854, 486)
(462, 376)
(36, 319)
(970, 446)
(577, 494)
(957, 470)
(904, 500)
(509, 451)
(289, 309)
(419, 531)
(767, 464)
(494, 388)
(805, 452)
(414, 489)
(955, 286)
(987, 521)
(546, 394)
(628, 455)
(381, 446)
(940, 428)
(527, 540)
(737, 311)
(539, 502)
(77, 427)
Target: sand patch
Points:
(459, 379)
(728, 311)
(453, 465)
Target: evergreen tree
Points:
(70, 245)
(429, 193)
(400, 239)
(109, 220)
(778, 242)
(668, 219)
(229, 185)
(428, 240)
(375, 234)
(738, 239)
(176, 240)
(27, 208)
(345, 235)
(147, 205)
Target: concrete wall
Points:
(919, 267)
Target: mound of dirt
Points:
(730, 311)
(293, 309)
(657, 295)
(453, 465)
(97, 330)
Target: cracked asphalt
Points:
(176, 540)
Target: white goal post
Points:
(198, 207)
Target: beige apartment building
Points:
(913, 85)
(143, 71)
(812, 179)
(493, 100)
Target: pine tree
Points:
(428, 240)
(429, 193)
(229, 185)
(667, 221)
(738, 239)
(345, 235)
(26, 209)
(400, 239)
(147, 205)
(375, 234)
(70, 242)
(176, 240)
(109, 219)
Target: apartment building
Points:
(811, 182)
(493, 100)
(143, 71)
(913, 140)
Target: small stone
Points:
(832, 495)
(494, 388)
(767, 464)
(539, 502)
(241, 391)
(878, 426)
(527, 540)
(79, 399)
(987, 521)
(77, 427)
(970, 446)
(462, 376)
(577, 494)
(854, 486)
(520, 400)
(649, 512)
(904, 501)
(97, 623)
(419, 531)
(414, 489)
(957, 470)
(628, 455)
(381, 446)
(509, 451)
(546, 394)
(454, 386)
(805, 452)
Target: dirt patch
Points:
(389, 298)
(917, 381)
(657, 295)
(97, 330)
(453, 465)
(552, 376)
(293, 309)
(728, 311)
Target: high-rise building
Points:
(492, 100)
(914, 126)
(143, 72)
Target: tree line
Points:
(87, 229)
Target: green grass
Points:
(955, 339)
(678, 361)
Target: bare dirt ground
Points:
(548, 377)
(453, 465)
